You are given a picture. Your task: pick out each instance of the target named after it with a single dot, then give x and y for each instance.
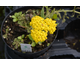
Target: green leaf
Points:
(37, 11)
(5, 36)
(33, 44)
(13, 43)
(55, 16)
(7, 30)
(30, 37)
(15, 20)
(52, 13)
(48, 15)
(22, 36)
(34, 13)
(20, 23)
(20, 13)
(18, 45)
(16, 14)
(13, 16)
(48, 44)
(40, 43)
(15, 47)
(47, 9)
(42, 12)
(15, 39)
(19, 38)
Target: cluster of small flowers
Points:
(41, 27)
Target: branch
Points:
(23, 27)
(67, 11)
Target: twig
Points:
(23, 27)
(67, 11)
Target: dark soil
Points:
(72, 35)
(16, 31)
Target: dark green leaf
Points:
(23, 36)
(42, 12)
(21, 40)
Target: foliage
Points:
(6, 34)
(17, 41)
(19, 17)
(56, 14)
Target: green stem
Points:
(67, 11)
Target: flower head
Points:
(41, 27)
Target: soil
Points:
(16, 31)
(72, 35)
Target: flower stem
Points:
(67, 11)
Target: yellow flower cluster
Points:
(41, 27)
(51, 25)
(38, 35)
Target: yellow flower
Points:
(41, 27)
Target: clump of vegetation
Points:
(17, 41)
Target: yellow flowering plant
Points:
(39, 25)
